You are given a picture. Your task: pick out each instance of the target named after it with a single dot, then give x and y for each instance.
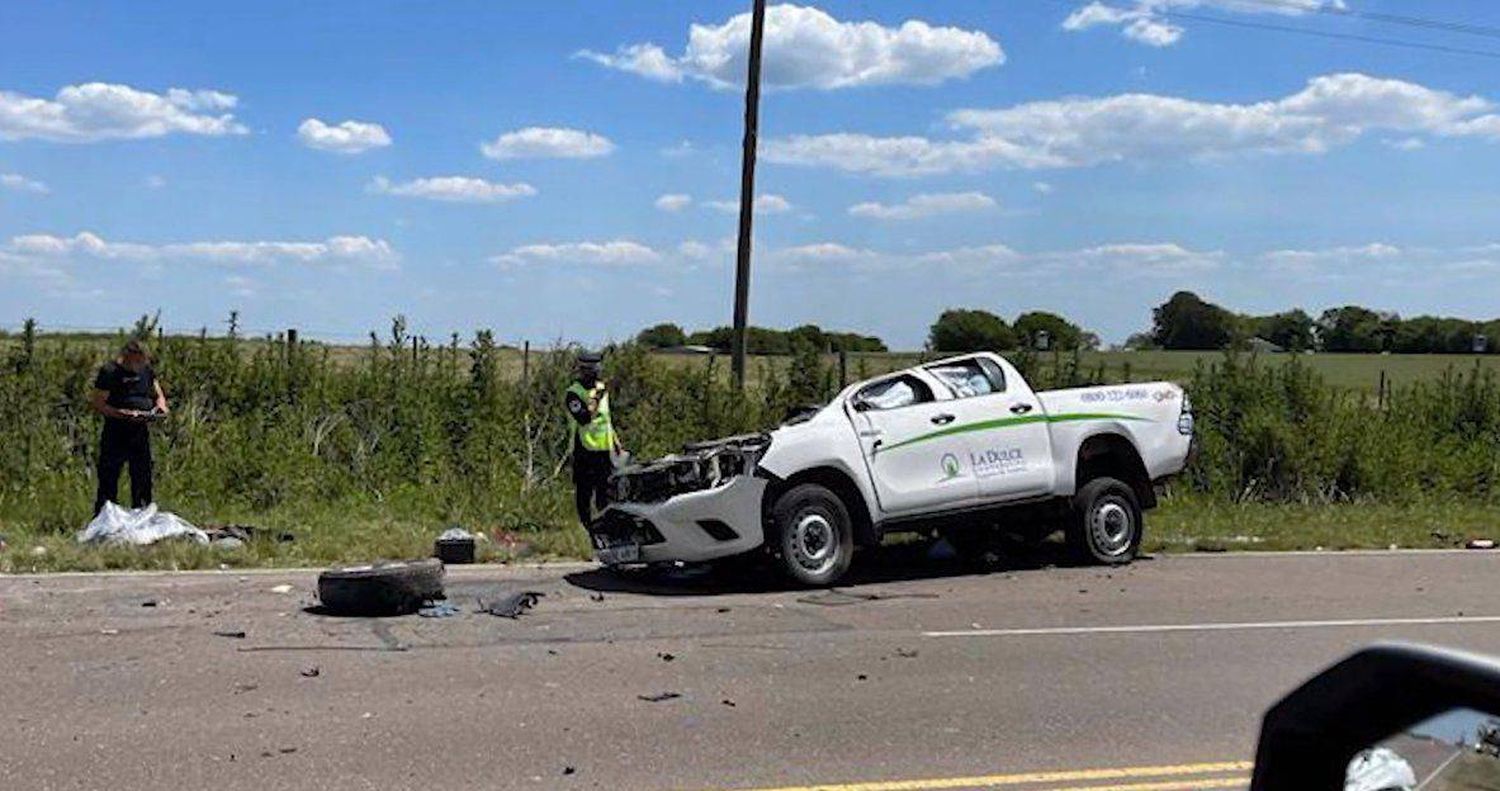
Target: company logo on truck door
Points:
(951, 468)
(997, 461)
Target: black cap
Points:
(133, 346)
(590, 358)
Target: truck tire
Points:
(381, 588)
(1105, 525)
(815, 536)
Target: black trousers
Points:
(591, 471)
(124, 443)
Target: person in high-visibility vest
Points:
(594, 439)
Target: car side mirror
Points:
(1392, 716)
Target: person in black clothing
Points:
(594, 439)
(128, 395)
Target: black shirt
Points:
(127, 389)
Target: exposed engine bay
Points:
(700, 466)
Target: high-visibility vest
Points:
(599, 433)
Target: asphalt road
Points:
(920, 675)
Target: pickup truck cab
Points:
(962, 445)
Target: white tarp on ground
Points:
(140, 526)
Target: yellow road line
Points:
(1066, 776)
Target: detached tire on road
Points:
(815, 534)
(1105, 525)
(381, 588)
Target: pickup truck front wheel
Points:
(1105, 525)
(816, 536)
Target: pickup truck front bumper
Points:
(701, 504)
(689, 527)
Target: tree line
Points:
(1187, 321)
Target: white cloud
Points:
(240, 286)
(454, 189)
(96, 111)
(1330, 111)
(348, 137)
(674, 202)
(1407, 144)
(764, 204)
(1159, 258)
(18, 183)
(155, 182)
(537, 142)
(620, 252)
(1148, 21)
(925, 205)
(694, 249)
(335, 250)
(1042, 187)
(806, 47)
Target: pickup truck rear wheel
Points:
(1105, 525)
(816, 535)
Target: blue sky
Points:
(568, 170)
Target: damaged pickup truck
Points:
(961, 445)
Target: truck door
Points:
(915, 462)
(1007, 441)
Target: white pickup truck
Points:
(962, 445)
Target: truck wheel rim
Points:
(1113, 527)
(813, 545)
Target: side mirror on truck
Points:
(1390, 717)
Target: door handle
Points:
(874, 446)
(1020, 409)
(943, 419)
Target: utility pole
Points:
(747, 194)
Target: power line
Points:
(1391, 42)
(1428, 23)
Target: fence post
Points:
(1380, 393)
(843, 367)
(526, 363)
(291, 337)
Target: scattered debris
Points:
(286, 750)
(234, 634)
(596, 596)
(242, 688)
(509, 605)
(552, 652)
(722, 610)
(311, 672)
(438, 610)
(1480, 543)
(240, 535)
(512, 544)
(659, 697)
(862, 677)
(282, 589)
(665, 657)
(138, 526)
(727, 702)
(149, 603)
(834, 597)
(454, 545)
(906, 653)
(228, 543)
(567, 770)
(38, 552)
(109, 631)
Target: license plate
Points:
(618, 554)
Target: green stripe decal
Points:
(1006, 422)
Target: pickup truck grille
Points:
(700, 466)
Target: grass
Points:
(1193, 523)
(1198, 523)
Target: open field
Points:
(1353, 371)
